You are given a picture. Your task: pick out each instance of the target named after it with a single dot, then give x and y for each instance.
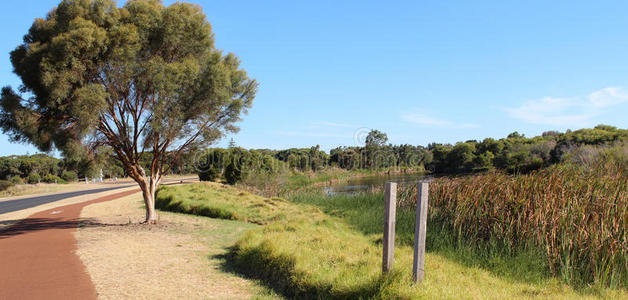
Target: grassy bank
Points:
(322, 247)
(221, 201)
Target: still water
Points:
(366, 183)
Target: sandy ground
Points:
(177, 259)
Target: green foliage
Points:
(515, 154)
(211, 173)
(5, 184)
(233, 173)
(49, 178)
(17, 180)
(23, 165)
(69, 176)
(237, 164)
(34, 178)
(137, 79)
(376, 138)
(303, 159)
(519, 154)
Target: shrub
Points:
(34, 178)
(17, 180)
(210, 174)
(5, 184)
(233, 173)
(69, 176)
(49, 178)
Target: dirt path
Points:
(38, 259)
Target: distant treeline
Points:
(36, 168)
(514, 154)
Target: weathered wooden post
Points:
(420, 230)
(389, 226)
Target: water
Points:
(366, 183)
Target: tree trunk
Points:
(148, 192)
(149, 202)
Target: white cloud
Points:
(575, 111)
(424, 119)
(609, 96)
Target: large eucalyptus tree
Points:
(138, 78)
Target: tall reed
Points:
(576, 215)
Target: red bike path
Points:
(38, 255)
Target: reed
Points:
(576, 215)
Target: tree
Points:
(232, 144)
(142, 78)
(233, 173)
(376, 138)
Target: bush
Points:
(49, 178)
(209, 175)
(5, 184)
(34, 178)
(17, 180)
(233, 174)
(69, 176)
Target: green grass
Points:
(365, 213)
(221, 201)
(331, 248)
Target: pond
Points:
(366, 183)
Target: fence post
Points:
(420, 231)
(389, 226)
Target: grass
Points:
(221, 201)
(365, 212)
(323, 247)
(39, 188)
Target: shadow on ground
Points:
(38, 224)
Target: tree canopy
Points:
(141, 78)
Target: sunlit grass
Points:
(331, 248)
(221, 201)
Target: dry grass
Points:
(23, 190)
(177, 259)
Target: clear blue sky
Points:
(420, 71)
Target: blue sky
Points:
(421, 71)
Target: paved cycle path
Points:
(38, 259)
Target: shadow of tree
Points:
(38, 224)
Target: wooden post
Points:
(389, 226)
(420, 231)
